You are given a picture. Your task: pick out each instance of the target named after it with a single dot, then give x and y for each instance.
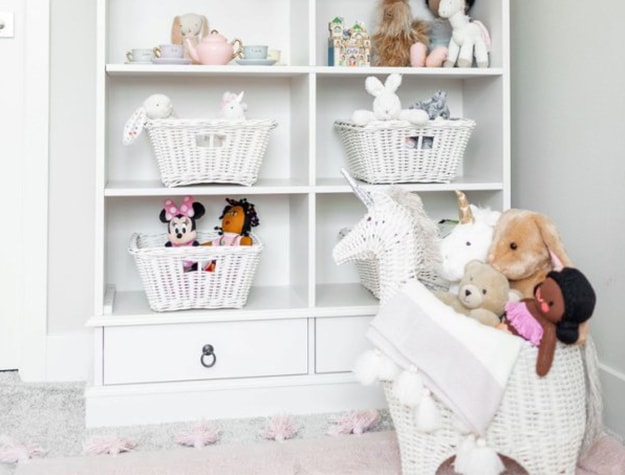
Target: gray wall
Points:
(568, 150)
(567, 133)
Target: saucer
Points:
(171, 61)
(256, 62)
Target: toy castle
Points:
(348, 47)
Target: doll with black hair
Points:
(237, 219)
(561, 302)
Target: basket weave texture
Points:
(540, 422)
(168, 287)
(193, 151)
(405, 154)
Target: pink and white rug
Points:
(374, 453)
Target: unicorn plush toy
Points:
(469, 37)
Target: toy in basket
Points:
(394, 242)
(395, 145)
(178, 273)
(459, 388)
(228, 149)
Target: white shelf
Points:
(264, 186)
(301, 198)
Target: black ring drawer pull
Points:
(208, 350)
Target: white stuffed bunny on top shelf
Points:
(157, 106)
(386, 104)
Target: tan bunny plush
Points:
(526, 246)
(191, 26)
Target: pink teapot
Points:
(215, 49)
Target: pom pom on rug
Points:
(198, 436)
(11, 452)
(373, 366)
(354, 422)
(108, 445)
(280, 428)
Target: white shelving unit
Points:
(293, 345)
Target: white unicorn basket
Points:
(395, 241)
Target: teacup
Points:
(140, 55)
(169, 51)
(255, 52)
(274, 55)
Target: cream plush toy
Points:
(482, 293)
(157, 106)
(188, 26)
(386, 104)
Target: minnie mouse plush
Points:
(181, 224)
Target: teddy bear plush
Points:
(562, 302)
(482, 293)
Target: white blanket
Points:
(464, 363)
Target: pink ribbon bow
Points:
(186, 208)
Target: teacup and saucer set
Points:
(258, 55)
(139, 56)
(169, 54)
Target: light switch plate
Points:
(7, 24)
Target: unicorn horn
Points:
(362, 194)
(464, 209)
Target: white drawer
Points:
(339, 342)
(155, 353)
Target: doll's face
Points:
(233, 220)
(550, 300)
(181, 230)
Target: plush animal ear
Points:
(162, 216)
(134, 126)
(198, 209)
(392, 83)
(176, 33)
(374, 86)
(551, 238)
(204, 26)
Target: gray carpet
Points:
(52, 416)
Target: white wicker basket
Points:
(167, 285)
(540, 422)
(405, 154)
(192, 151)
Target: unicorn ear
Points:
(134, 126)
(361, 193)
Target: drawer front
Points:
(339, 342)
(155, 353)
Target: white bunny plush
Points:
(386, 105)
(232, 106)
(157, 106)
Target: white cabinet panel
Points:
(158, 353)
(339, 342)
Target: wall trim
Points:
(613, 387)
(34, 288)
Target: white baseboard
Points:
(127, 405)
(68, 356)
(613, 386)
